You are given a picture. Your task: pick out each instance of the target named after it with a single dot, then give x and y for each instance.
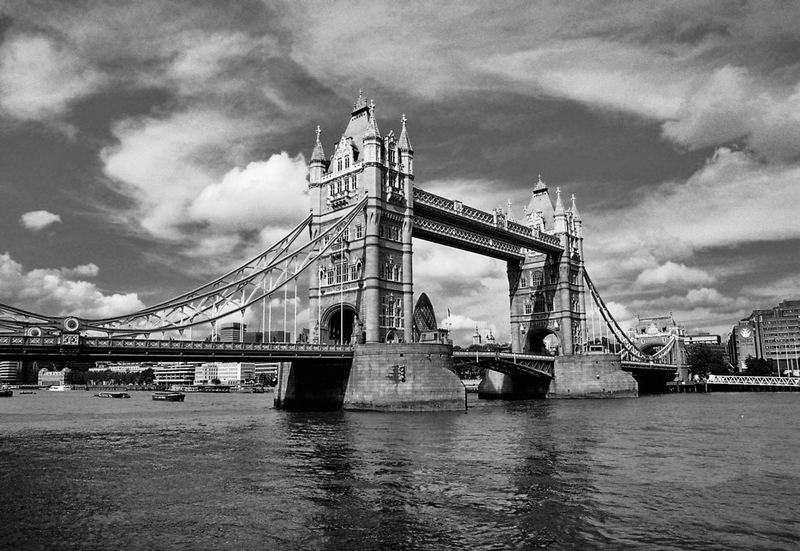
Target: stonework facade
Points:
(361, 289)
(547, 297)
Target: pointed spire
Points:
(360, 102)
(540, 185)
(318, 154)
(372, 124)
(404, 144)
(574, 209)
(559, 204)
(509, 213)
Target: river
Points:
(685, 471)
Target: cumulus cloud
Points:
(59, 292)
(731, 104)
(272, 192)
(166, 162)
(40, 79)
(672, 273)
(38, 219)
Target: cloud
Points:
(164, 163)
(671, 273)
(265, 193)
(731, 104)
(38, 219)
(39, 79)
(58, 292)
(709, 75)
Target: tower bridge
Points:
(352, 258)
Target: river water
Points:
(685, 471)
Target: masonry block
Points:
(404, 377)
(591, 376)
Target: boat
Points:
(27, 392)
(6, 393)
(169, 396)
(59, 388)
(112, 395)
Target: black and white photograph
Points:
(399, 275)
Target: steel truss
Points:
(255, 281)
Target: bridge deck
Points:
(508, 362)
(20, 347)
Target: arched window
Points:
(347, 162)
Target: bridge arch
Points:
(340, 324)
(544, 342)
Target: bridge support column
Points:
(404, 377)
(591, 376)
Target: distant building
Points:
(51, 378)
(10, 372)
(174, 373)
(703, 338)
(476, 337)
(233, 332)
(770, 334)
(269, 369)
(227, 373)
(424, 324)
(122, 367)
(714, 342)
(652, 333)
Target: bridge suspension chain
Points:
(255, 281)
(629, 348)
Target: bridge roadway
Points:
(508, 362)
(631, 366)
(74, 347)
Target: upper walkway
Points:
(452, 223)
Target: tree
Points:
(215, 381)
(148, 376)
(759, 366)
(703, 359)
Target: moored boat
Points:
(112, 395)
(6, 393)
(59, 388)
(169, 396)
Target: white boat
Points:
(59, 388)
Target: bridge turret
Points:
(406, 151)
(316, 169)
(559, 214)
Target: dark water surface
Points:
(688, 471)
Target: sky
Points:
(147, 147)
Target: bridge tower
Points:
(547, 298)
(361, 290)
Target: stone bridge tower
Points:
(547, 299)
(361, 290)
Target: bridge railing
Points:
(106, 342)
(502, 355)
(753, 380)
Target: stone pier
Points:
(382, 377)
(591, 376)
